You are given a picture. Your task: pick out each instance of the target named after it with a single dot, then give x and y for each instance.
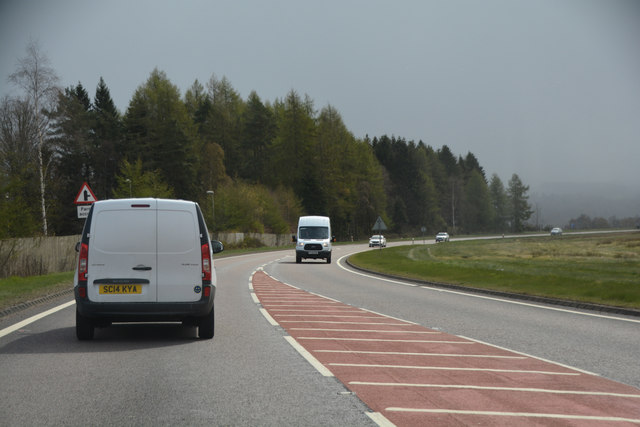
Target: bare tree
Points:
(39, 82)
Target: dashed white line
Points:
(309, 357)
(267, 316)
(380, 419)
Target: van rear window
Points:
(124, 231)
(177, 232)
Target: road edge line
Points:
(6, 331)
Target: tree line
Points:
(252, 165)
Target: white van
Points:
(314, 238)
(145, 260)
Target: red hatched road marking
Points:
(417, 376)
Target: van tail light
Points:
(206, 263)
(82, 292)
(83, 262)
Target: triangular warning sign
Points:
(85, 196)
(379, 225)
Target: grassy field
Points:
(15, 290)
(599, 269)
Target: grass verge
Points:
(15, 290)
(599, 269)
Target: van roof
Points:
(313, 219)
(142, 200)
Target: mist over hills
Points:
(556, 203)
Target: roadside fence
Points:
(33, 256)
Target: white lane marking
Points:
(304, 304)
(254, 297)
(474, 295)
(515, 414)
(380, 419)
(383, 340)
(444, 368)
(379, 331)
(267, 316)
(22, 324)
(309, 357)
(390, 317)
(402, 353)
(395, 282)
(343, 323)
(476, 387)
(328, 315)
(531, 356)
(306, 310)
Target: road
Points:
(249, 374)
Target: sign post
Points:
(84, 200)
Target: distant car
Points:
(378, 240)
(442, 237)
(556, 231)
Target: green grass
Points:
(600, 269)
(14, 290)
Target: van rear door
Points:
(179, 252)
(122, 252)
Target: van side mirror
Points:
(294, 239)
(78, 247)
(216, 246)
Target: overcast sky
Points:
(547, 89)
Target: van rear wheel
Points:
(206, 326)
(84, 327)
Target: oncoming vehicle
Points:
(378, 240)
(442, 237)
(144, 260)
(314, 238)
(556, 231)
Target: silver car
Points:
(442, 237)
(556, 231)
(378, 240)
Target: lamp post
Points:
(213, 211)
(129, 181)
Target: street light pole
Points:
(213, 210)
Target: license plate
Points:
(120, 289)
(313, 252)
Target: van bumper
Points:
(145, 311)
(313, 254)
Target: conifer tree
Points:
(520, 210)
